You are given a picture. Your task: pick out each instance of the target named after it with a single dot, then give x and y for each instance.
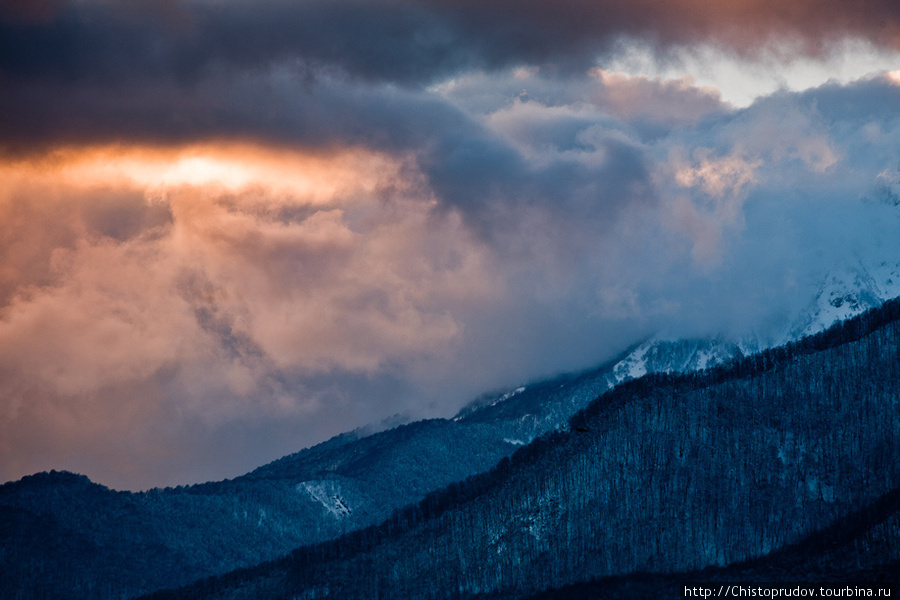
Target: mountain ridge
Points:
(806, 451)
(326, 490)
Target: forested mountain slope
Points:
(664, 474)
(863, 547)
(66, 537)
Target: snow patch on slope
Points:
(634, 365)
(328, 494)
(507, 396)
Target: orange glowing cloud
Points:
(189, 278)
(314, 178)
(306, 257)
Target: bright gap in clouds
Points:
(743, 80)
(316, 178)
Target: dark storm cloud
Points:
(407, 41)
(745, 26)
(122, 44)
(289, 72)
(278, 109)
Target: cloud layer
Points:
(230, 230)
(178, 70)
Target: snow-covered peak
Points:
(526, 413)
(847, 292)
(843, 293)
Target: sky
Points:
(231, 229)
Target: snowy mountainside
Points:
(847, 292)
(843, 293)
(528, 411)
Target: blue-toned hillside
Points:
(664, 474)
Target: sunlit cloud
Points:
(321, 244)
(250, 275)
(314, 178)
(740, 79)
